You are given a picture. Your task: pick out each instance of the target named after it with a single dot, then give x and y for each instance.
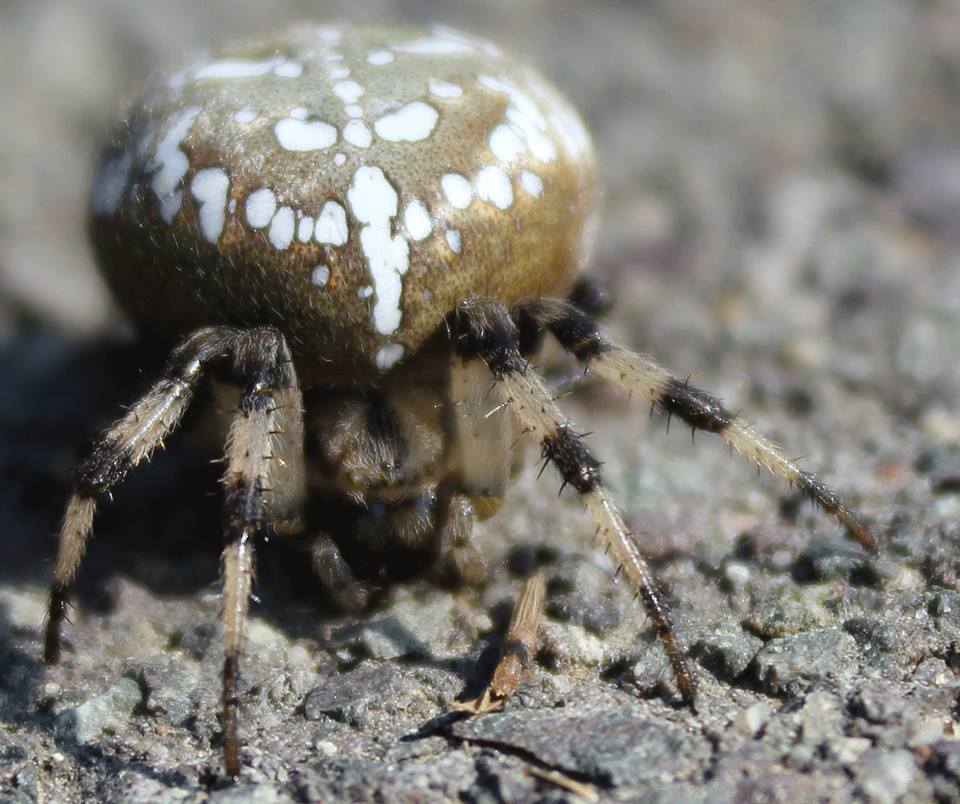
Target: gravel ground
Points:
(782, 220)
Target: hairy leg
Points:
(263, 465)
(485, 331)
(334, 573)
(592, 297)
(263, 480)
(636, 373)
(458, 555)
(126, 443)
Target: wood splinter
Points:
(516, 651)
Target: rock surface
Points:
(781, 220)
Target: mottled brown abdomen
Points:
(347, 185)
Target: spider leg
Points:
(484, 435)
(458, 519)
(268, 414)
(485, 331)
(592, 297)
(126, 443)
(334, 573)
(578, 334)
(264, 453)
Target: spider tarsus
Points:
(231, 707)
(57, 609)
(825, 497)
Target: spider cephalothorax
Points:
(360, 229)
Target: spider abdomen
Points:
(347, 185)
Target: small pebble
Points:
(749, 721)
(884, 776)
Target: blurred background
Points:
(781, 217)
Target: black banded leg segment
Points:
(578, 334)
(127, 442)
(591, 297)
(485, 331)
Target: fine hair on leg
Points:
(264, 453)
(122, 446)
(260, 457)
(334, 573)
(578, 334)
(457, 522)
(484, 330)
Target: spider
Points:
(366, 233)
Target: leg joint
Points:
(573, 460)
(485, 330)
(574, 329)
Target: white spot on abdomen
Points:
(524, 117)
(374, 203)
(505, 143)
(493, 185)
(387, 355)
(171, 164)
(305, 229)
(532, 183)
(331, 225)
(261, 204)
(302, 135)
(457, 190)
(209, 187)
(320, 276)
(288, 69)
(246, 68)
(245, 115)
(348, 91)
(540, 145)
(379, 57)
(110, 182)
(453, 240)
(444, 89)
(331, 34)
(436, 46)
(416, 219)
(410, 123)
(356, 133)
(281, 229)
(572, 132)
